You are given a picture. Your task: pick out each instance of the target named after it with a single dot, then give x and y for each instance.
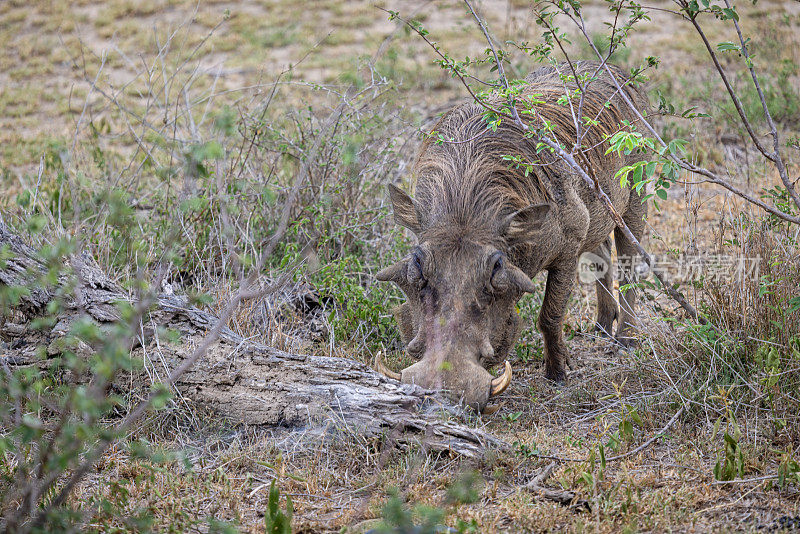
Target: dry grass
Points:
(53, 54)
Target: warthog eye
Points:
(415, 276)
(506, 276)
(498, 264)
(496, 261)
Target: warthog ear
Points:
(405, 210)
(523, 225)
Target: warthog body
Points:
(485, 228)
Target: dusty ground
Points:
(52, 53)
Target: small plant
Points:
(466, 489)
(526, 451)
(731, 463)
(788, 471)
(50, 424)
(511, 417)
(276, 520)
(398, 518)
(630, 417)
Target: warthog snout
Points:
(468, 382)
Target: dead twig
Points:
(746, 480)
(650, 441)
(563, 497)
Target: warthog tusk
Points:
(382, 369)
(500, 383)
(489, 410)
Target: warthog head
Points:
(461, 291)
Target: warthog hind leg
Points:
(607, 310)
(628, 258)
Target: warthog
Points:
(486, 226)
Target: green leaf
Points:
(626, 430)
(602, 456)
(727, 46)
(635, 416)
(637, 173)
(622, 174)
(275, 520)
(650, 169)
(730, 13)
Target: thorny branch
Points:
(682, 163)
(775, 157)
(728, 87)
(500, 70)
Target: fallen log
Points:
(244, 381)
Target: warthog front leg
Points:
(560, 280)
